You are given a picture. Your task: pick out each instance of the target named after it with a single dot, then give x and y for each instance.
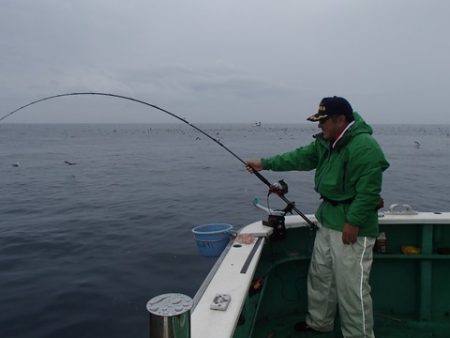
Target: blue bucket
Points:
(212, 238)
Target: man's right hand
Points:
(253, 165)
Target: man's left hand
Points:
(349, 233)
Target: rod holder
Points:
(170, 316)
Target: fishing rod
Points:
(280, 191)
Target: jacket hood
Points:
(360, 126)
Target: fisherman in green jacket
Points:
(349, 165)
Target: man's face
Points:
(332, 127)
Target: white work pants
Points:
(339, 275)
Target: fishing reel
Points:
(280, 188)
(276, 218)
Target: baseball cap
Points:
(330, 106)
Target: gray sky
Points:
(227, 60)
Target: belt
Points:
(334, 202)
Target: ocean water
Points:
(83, 247)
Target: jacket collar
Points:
(342, 134)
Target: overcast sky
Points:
(225, 60)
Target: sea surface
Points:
(85, 244)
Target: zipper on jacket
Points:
(325, 170)
(344, 177)
(330, 149)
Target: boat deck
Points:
(409, 291)
(385, 326)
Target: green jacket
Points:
(350, 173)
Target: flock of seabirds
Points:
(17, 164)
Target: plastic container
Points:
(212, 238)
(380, 243)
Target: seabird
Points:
(69, 163)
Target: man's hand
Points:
(253, 165)
(349, 233)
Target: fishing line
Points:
(261, 177)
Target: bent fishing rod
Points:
(272, 187)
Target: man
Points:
(349, 164)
